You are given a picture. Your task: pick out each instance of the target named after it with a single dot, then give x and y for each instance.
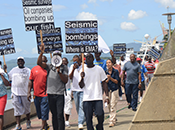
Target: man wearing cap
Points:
(20, 77)
(57, 77)
(143, 71)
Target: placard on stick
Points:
(51, 38)
(81, 36)
(154, 52)
(119, 49)
(6, 42)
(38, 14)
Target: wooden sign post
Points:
(82, 56)
(4, 63)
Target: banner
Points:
(102, 46)
(52, 40)
(38, 14)
(154, 52)
(81, 36)
(6, 42)
(119, 49)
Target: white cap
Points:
(20, 58)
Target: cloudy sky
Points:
(119, 20)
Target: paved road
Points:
(124, 117)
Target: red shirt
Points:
(39, 77)
(150, 65)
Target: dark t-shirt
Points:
(132, 70)
(115, 75)
(54, 83)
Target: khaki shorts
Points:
(21, 105)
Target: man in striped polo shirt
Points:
(150, 66)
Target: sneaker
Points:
(134, 109)
(28, 124)
(46, 127)
(121, 98)
(111, 125)
(80, 126)
(18, 127)
(140, 99)
(67, 124)
(129, 106)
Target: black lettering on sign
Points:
(6, 42)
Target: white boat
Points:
(129, 51)
(147, 46)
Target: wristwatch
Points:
(140, 83)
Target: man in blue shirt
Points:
(143, 71)
(133, 81)
(101, 62)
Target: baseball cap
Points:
(57, 52)
(138, 59)
(20, 58)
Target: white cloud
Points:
(34, 50)
(92, 1)
(107, 0)
(166, 3)
(128, 26)
(58, 7)
(84, 6)
(18, 50)
(89, 16)
(136, 14)
(86, 16)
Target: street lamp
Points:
(169, 18)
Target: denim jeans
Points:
(132, 89)
(42, 107)
(78, 99)
(56, 105)
(120, 91)
(89, 107)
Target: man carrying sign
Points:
(90, 81)
(56, 80)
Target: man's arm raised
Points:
(39, 61)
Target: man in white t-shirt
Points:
(76, 90)
(20, 78)
(90, 81)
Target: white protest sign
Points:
(38, 14)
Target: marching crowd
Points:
(98, 82)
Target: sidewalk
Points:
(124, 117)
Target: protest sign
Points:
(119, 49)
(38, 14)
(154, 52)
(81, 36)
(51, 38)
(6, 42)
